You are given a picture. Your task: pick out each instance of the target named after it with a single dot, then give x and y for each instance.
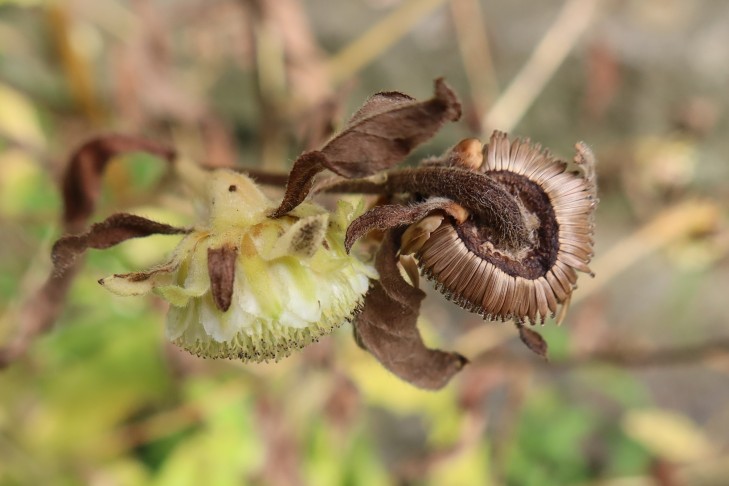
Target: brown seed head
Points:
(528, 280)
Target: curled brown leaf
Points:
(300, 180)
(394, 215)
(387, 128)
(82, 179)
(112, 231)
(380, 135)
(477, 192)
(387, 327)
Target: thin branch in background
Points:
(283, 457)
(272, 91)
(473, 44)
(474, 387)
(75, 66)
(39, 154)
(311, 104)
(623, 356)
(290, 73)
(379, 38)
(38, 313)
(266, 178)
(306, 72)
(673, 224)
(573, 20)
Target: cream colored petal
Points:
(179, 319)
(300, 292)
(140, 283)
(222, 326)
(302, 240)
(235, 200)
(194, 284)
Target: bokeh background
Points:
(637, 388)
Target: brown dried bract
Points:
(387, 327)
(387, 128)
(300, 181)
(533, 340)
(221, 270)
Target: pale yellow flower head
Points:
(243, 285)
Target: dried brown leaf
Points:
(394, 215)
(380, 135)
(301, 178)
(82, 179)
(387, 327)
(221, 269)
(392, 281)
(380, 103)
(112, 231)
(387, 128)
(80, 188)
(533, 340)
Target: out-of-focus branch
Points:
(74, 64)
(277, 179)
(36, 152)
(38, 313)
(471, 431)
(380, 37)
(573, 20)
(473, 44)
(623, 357)
(683, 220)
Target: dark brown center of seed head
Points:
(530, 259)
